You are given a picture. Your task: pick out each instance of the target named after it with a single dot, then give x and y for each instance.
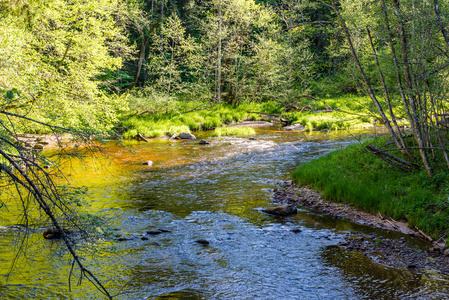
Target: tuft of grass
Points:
(358, 177)
(238, 131)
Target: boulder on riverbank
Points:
(294, 127)
(282, 210)
(183, 136)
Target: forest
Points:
(123, 69)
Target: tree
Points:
(412, 41)
(56, 58)
(56, 54)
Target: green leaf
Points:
(10, 94)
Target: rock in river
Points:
(52, 233)
(203, 242)
(282, 210)
(154, 232)
(186, 136)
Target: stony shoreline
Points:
(393, 252)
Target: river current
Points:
(213, 192)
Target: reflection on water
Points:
(212, 192)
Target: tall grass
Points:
(358, 177)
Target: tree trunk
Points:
(415, 121)
(402, 144)
(365, 79)
(143, 46)
(219, 53)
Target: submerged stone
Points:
(203, 242)
(282, 210)
(154, 232)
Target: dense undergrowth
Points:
(182, 116)
(356, 176)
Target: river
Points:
(213, 192)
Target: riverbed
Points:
(213, 192)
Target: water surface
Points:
(214, 192)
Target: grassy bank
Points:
(184, 116)
(355, 176)
(181, 120)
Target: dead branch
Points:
(329, 109)
(390, 158)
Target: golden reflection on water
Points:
(42, 270)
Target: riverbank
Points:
(386, 248)
(357, 177)
(312, 114)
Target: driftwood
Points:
(391, 159)
(140, 137)
(430, 239)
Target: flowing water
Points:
(213, 192)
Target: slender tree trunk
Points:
(440, 22)
(416, 125)
(437, 126)
(143, 46)
(171, 66)
(365, 79)
(395, 61)
(402, 144)
(219, 52)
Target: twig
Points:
(394, 225)
(424, 235)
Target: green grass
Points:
(349, 112)
(238, 131)
(357, 177)
(159, 124)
